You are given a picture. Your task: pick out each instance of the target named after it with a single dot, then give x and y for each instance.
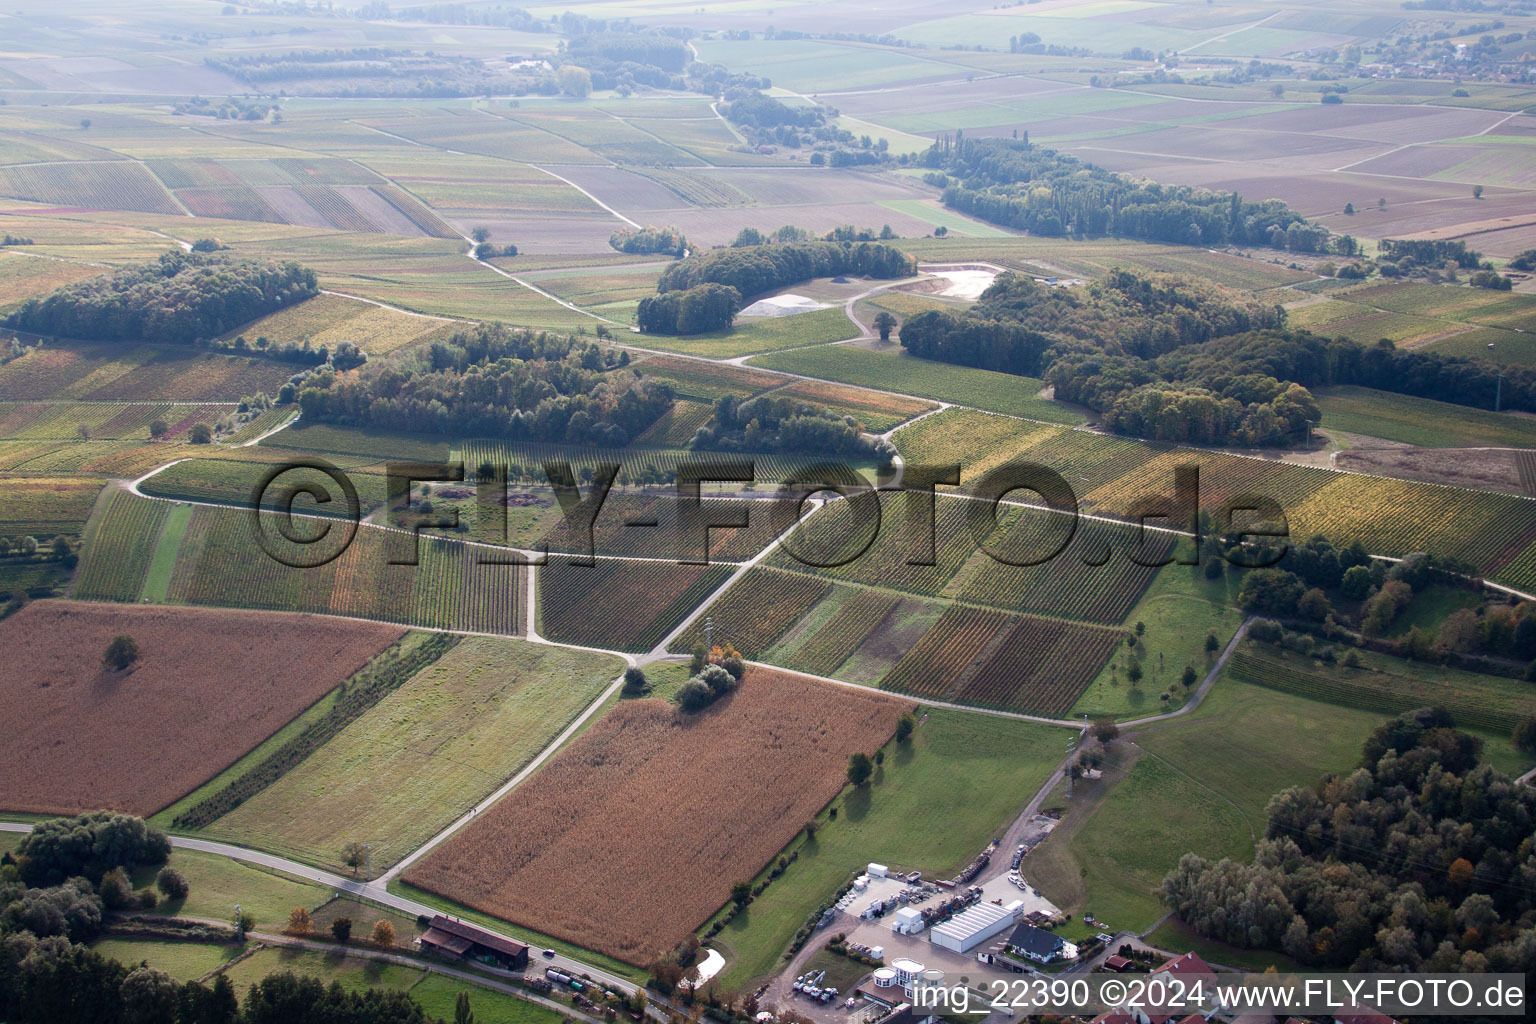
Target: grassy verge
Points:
(157, 582)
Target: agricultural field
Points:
(1179, 610)
(840, 633)
(1487, 703)
(1117, 475)
(983, 389)
(1421, 421)
(678, 425)
(103, 421)
(424, 754)
(706, 382)
(454, 585)
(329, 320)
(760, 334)
(136, 373)
(876, 411)
(755, 611)
(764, 759)
(46, 687)
(111, 185)
(23, 277)
(617, 604)
(1041, 667)
(44, 506)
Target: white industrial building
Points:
(909, 921)
(970, 928)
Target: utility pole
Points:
(367, 862)
(1498, 394)
(709, 632)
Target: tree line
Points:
(494, 382)
(1418, 860)
(755, 269)
(180, 298)
(1021, 185)
(1184, 361)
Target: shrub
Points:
(200, 433)
(635, 681)
(172, 884)
(341, 929)
(299, 922)
(695, 695)
(383, 933)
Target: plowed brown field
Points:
(634, 834)
(209, 685)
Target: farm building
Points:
(451, 938)
(1039, 945)
(970, 928)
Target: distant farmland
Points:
(676, 807)
(80, 737)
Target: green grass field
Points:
(1420, 421)
(219, 883)
(1180, 609)
(437, 995)
(184, 961)
(1199, 784)
(759, 334)
(424, 754)
(933, 806)
(355, 974)
(895, 371)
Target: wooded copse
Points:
(1179, 360)
(494, 382)
(755, 269)
(704, 307)
(778, 424)
(1420, 859)
(180, 298)
(1018, 184)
